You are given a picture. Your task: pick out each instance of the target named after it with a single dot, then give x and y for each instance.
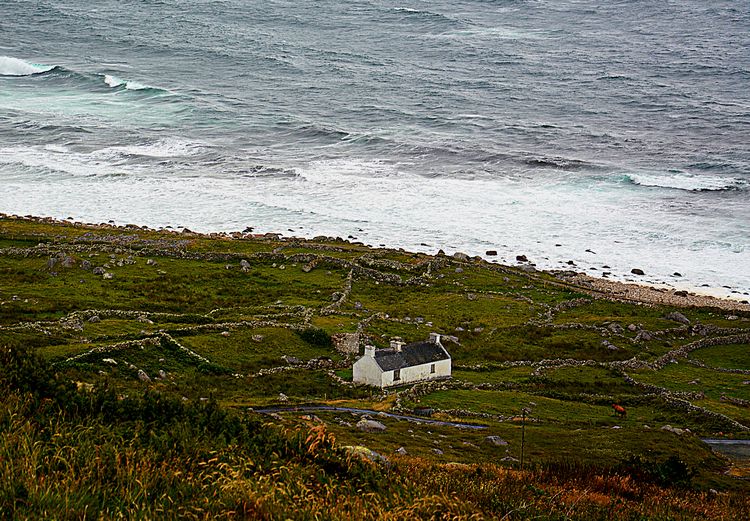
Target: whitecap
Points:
(687, 181)
(114, 82)
(16, 67)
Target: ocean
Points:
(615, 135)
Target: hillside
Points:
(135, 361)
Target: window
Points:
(396, 375)
(432, 369)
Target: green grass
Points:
(733, 356)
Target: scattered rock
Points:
(460, 256)
(283, 398)
(632, 328)
(681, 293)
(437, 452)
(95, 319)
(677, 274)
(401, 451)
(162, 374)
(86, 265)
(643, 336)
(459, 270)
(522, 258)
(637, 271)
(509, 459)
(143, 377)
(110, 361)
(366, 425)
(491, 253)
(257, 338)
(98, 271)
(108, 276)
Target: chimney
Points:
(370, 351)
(396, 344)
(435, 338)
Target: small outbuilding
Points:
(403, 363)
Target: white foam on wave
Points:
(114, 82)
(16, 67)
(687, 181)
(106, 161)
(625, 228)
(167, 148)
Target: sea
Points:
(586, 135)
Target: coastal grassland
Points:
(685, 377)
(249, 350)
(221, 324)
(731, 356)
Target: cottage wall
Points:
(367, 371)
(418, 373)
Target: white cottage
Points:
(403, 364)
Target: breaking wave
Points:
(115, 82)
(16, 67)
(688, 182)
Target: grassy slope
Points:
(215, 330)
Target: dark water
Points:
(617, 127)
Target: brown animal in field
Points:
(619, 410)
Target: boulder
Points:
(401, 451)
(108, 276)
(365, 453)
(283, 398)
(522, 258)
(437, 452)
(460, 256)
(643, 336)
(674, 430)
(86, 265)
(491, 253)
(95, 319)
(143, 377)
(244, 265)
(150, 262)
(98, 270)
(676, 316)
(637, 271)
(495, 440)
(366, 425)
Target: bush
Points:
(315, 336)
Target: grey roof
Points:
(410, 355)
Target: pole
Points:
(523, 433)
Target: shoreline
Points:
(643, 292)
